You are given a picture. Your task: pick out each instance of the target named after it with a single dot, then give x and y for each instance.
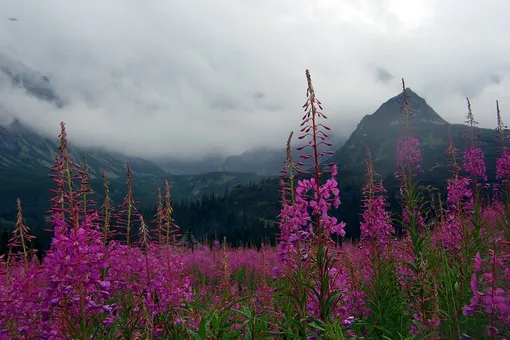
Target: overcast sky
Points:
(196, 76)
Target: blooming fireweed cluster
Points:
(109, 274)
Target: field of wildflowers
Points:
(446, 276)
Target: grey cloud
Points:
(191, 77)
(383, 75)
(480, 86)
(495, 79)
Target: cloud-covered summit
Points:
(193, 77)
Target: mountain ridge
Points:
(380, 131)
(23, 146)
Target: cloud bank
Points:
(187, 78)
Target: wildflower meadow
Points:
(110, 274)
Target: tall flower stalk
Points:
(106, 208)
(420, 289)
(171, 229)
(474, 167)
(503, 171)
(376, 229)
(159, 218)
(459, 204)
(289, 171)
(57, 175)
(87, 205)
(376, 226)
(127, 209)
(288, 246)
(490, 292)
(66, 200)
(69, 177)
(20, 237)
(305, 224)
(408, 165)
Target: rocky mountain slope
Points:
(380, 131)
(22, 147)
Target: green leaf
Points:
(317, 324)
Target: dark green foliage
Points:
(244, 215)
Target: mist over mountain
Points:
(24, 145)
(17, 74)
(18, 77)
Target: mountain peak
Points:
(410, 92)
(390, 110)
(411, 96)
(380, 130)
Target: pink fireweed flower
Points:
(409, 214)
(459, 204)
(321, 197)
(451, 232)
(408, 153)
(305, 222)
(474, 163)
(376, 222)
(408, 159)
(329, 197)
(489, 286)
(503, 162)
(503, 167)
(459, 190)
(310, 198)
(73, 267)
(296, 220)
